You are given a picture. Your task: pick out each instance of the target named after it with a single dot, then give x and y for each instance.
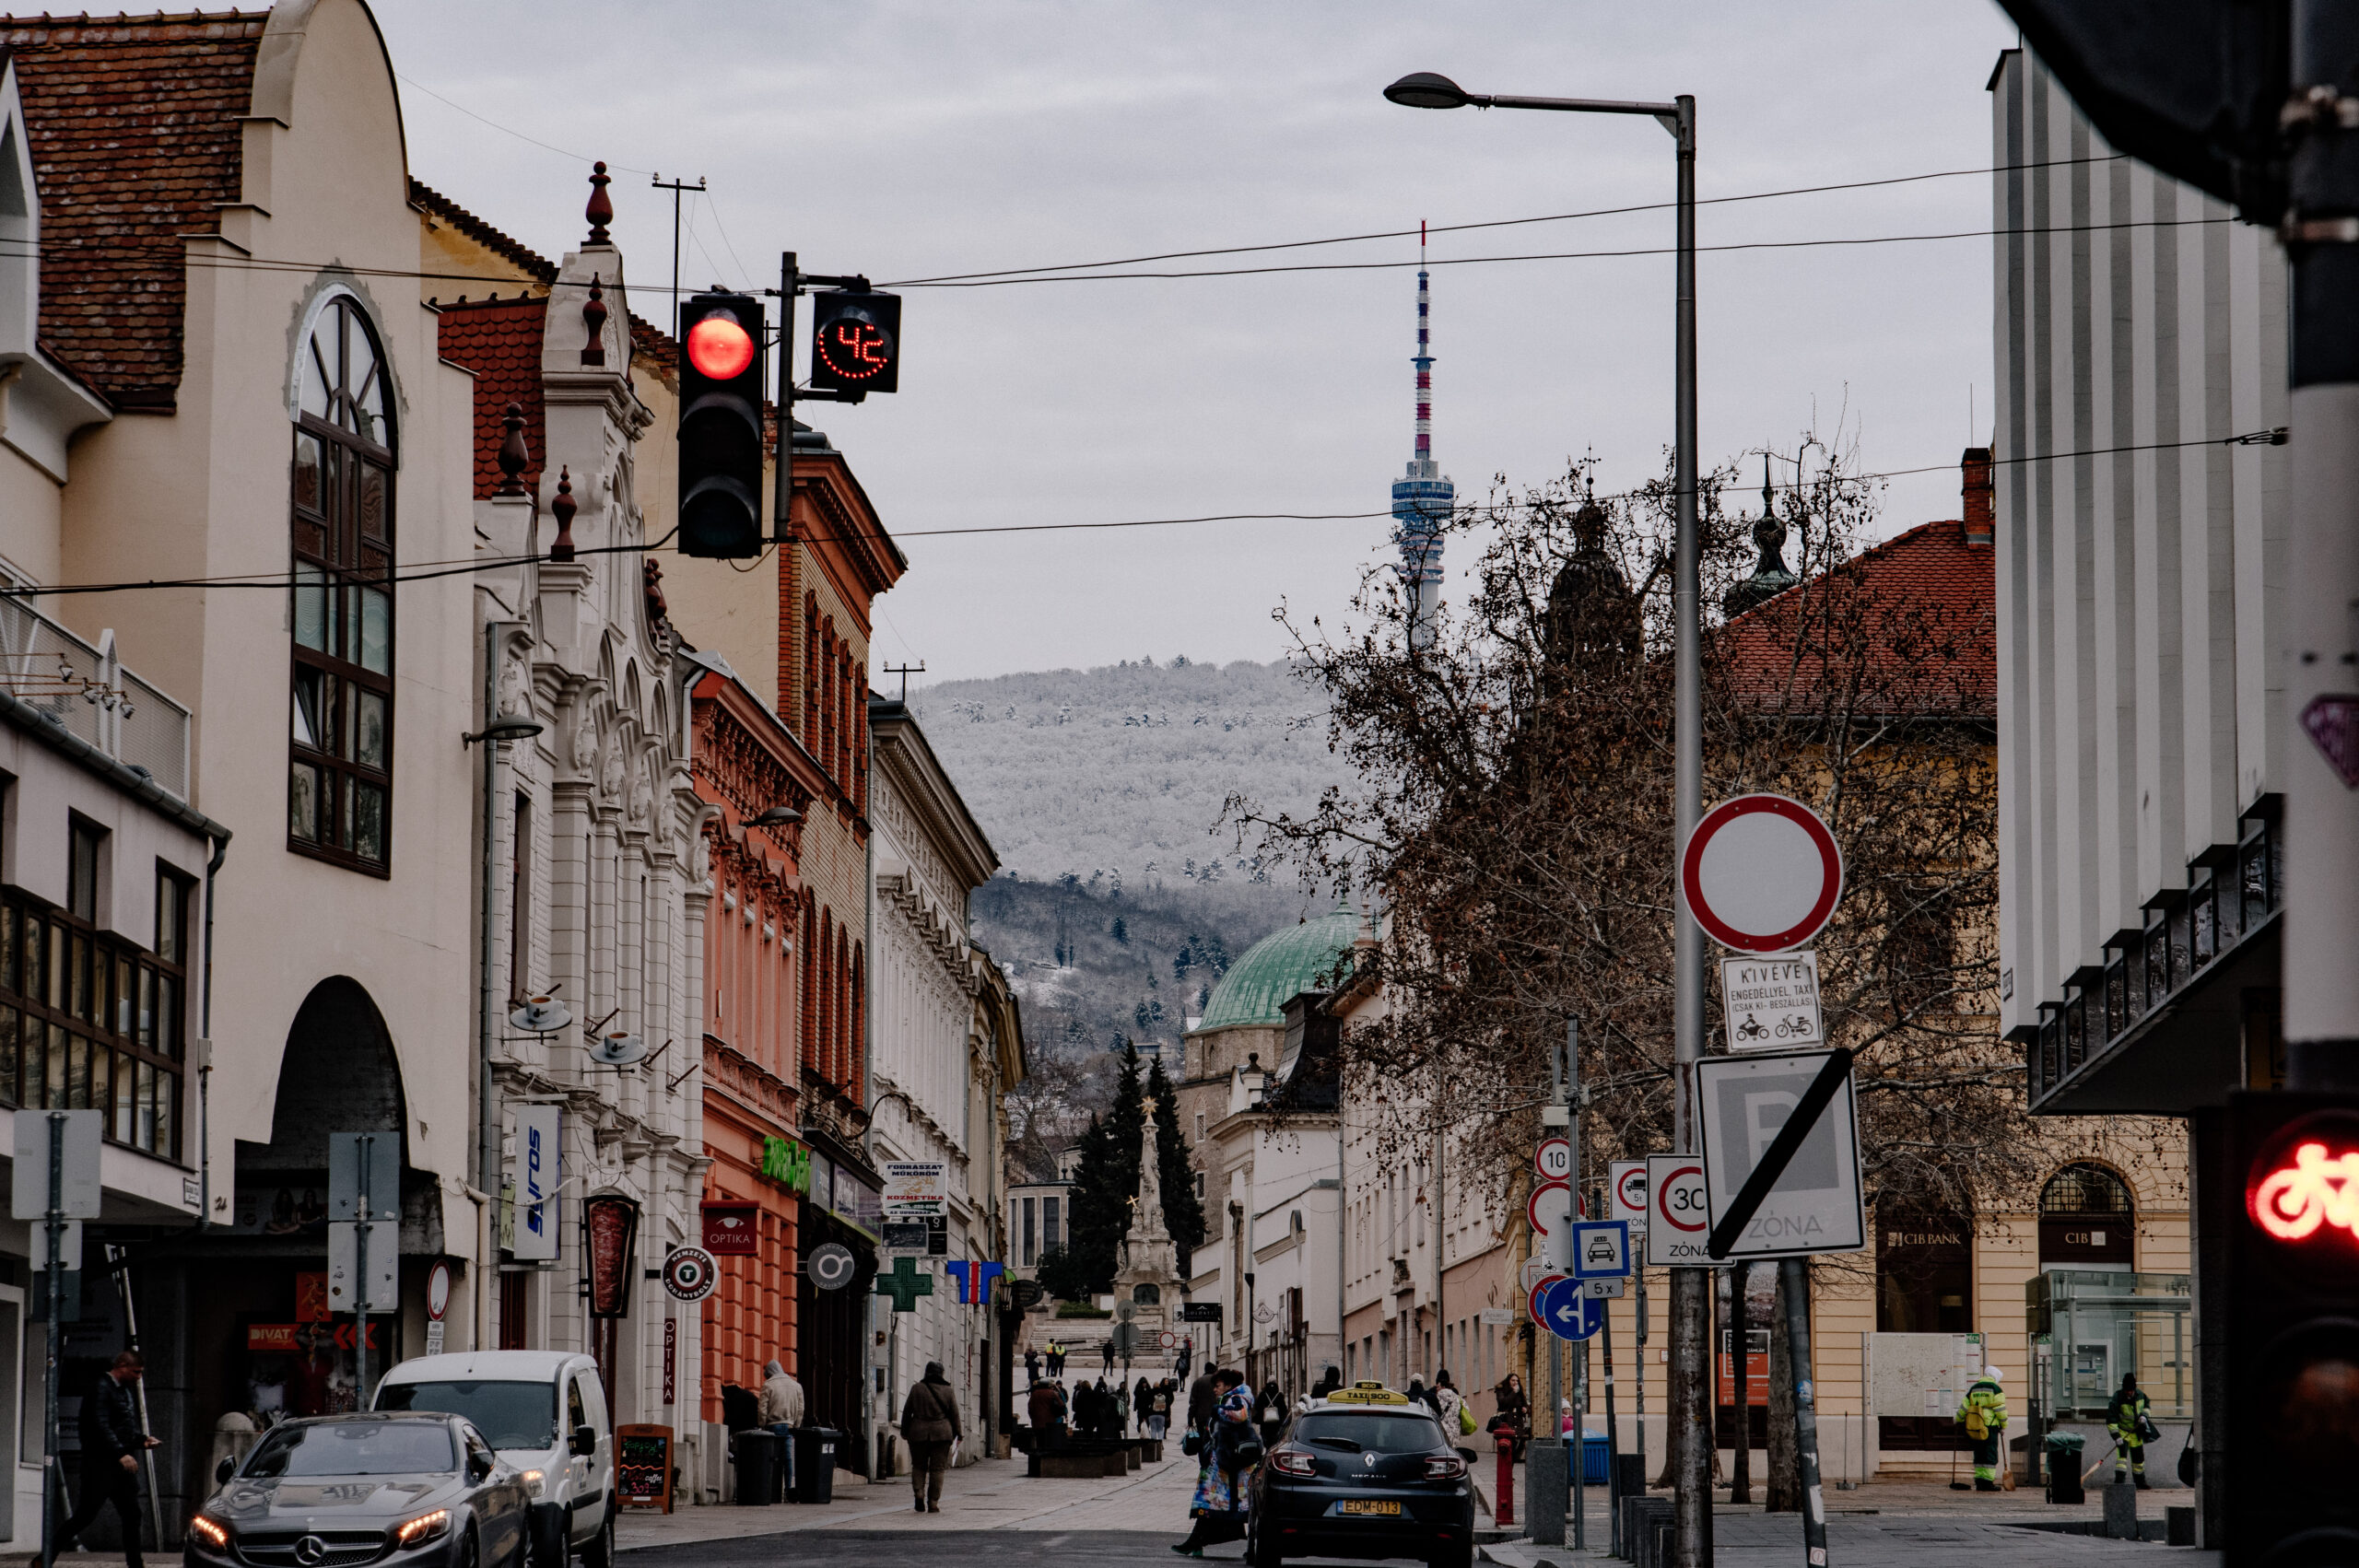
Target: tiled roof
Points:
(1925, 605)
(656, 344)
(500, 244)
(134, 133)
(500, 340)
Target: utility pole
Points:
(53, 1480)
(678, 187)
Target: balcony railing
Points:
(2232, 891)
(86, 692)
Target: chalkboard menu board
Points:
(643, 1466)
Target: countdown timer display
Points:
(856, 342)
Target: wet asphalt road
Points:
(929, 1549)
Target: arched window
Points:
(2087, 1220)
(1147, 1295)
(340, 770)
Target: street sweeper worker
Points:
(1984, 1416)
(2127, 1422)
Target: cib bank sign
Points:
(534, 1176)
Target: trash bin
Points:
(2064, 1467)
(1594, 1458)
(815, 1463)
(755, 1451)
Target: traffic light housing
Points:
(855, 341)
(2292, 1335)
(720, 425)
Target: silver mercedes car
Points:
(340, 1492)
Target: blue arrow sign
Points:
(1569, 1314)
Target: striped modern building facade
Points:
(2139, 343)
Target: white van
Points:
(545, 1413)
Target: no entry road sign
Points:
(1761, 873)
(1815, 1205)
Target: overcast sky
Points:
(912, 139)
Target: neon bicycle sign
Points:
(2293, 1201)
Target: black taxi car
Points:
(1368, 1473)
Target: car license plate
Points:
(1367, 1505)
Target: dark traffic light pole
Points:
(1690, 1412)
(791, 284)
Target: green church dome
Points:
(1281, 965)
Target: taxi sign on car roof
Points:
(1366, 1392)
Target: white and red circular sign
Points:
(437, 1291)
(1630, 1190)
(1761, 873)
(1554, 1159)
(1549, 1206)
(1679, 1199)
(689, 1273)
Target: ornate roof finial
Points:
(563, 508)
(1769, 577)
(601, 211)
(594, 317)
(513, 455)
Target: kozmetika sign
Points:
(1771, 1003)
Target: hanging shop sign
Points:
(733, 1229)
(916, 1188)
(609, 1233)
(787, 1163)
(533, 1174)
(831, 1266)
(689, 1273)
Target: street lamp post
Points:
(1690, 1412)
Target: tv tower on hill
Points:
(1423, 497)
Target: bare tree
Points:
(1513, 812)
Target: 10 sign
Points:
(1553, 1160)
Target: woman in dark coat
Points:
(1515, 1411)
(1219, 1506)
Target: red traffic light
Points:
(719, 348)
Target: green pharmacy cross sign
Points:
(905, 1284)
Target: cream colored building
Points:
(598, 866)
(935, 1063)
(236, 383)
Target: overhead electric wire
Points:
(2274, 437)
(1503, 222)
(1579, 255)
(17, 247)
(545, 147)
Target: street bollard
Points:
(1506, 1514)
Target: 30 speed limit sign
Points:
(1553, 1160)
(1678, 1218)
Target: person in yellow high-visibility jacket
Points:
(1984, 1416)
